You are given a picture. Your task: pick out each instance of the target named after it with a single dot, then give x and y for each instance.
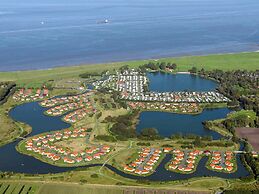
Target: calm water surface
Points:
(167, 123)
(16, 162)
(165, 82)
(47, 33)
(170, 123)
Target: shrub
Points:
(94, 176)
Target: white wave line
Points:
(43, 29)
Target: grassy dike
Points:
(248, 61)
(9, 129)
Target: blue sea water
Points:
(43, 34)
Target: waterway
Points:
(33, 114)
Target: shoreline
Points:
(224, 62)
(155, 59)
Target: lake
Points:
(165, 82)
(171, 123)
(167, 123)
(43, 34)
(33, 114)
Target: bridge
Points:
(21, 138)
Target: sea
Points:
(42, 34)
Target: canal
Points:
(167, 123)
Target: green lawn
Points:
(243, 113)
(248, 61)
(70, 189)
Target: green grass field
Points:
(57, 189)
(243, 113)
(75, 188)
(18, 188)
(248, 61)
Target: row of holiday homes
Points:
(23, 94)
(182, 161)
(172, 107)
(222, 161)
(145, 162)
(66, 99)
(45, 146)
(176, 97)
(79, 114)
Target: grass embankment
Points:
(67, 188)
(81, 181)
(248, 61)
(10, 129)
(217, 125)
(213, 105)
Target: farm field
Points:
(252, 135)
(67, 188)
(18, 188)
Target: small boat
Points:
(106, 21)
(42, 23)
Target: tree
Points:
(124, 68)
(174, 66)
(197, 142)
(193, 70)
(162, 66)
(98, 115)
(152, 66)
(149, 133)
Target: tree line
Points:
(240, 86)
(158, 66)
